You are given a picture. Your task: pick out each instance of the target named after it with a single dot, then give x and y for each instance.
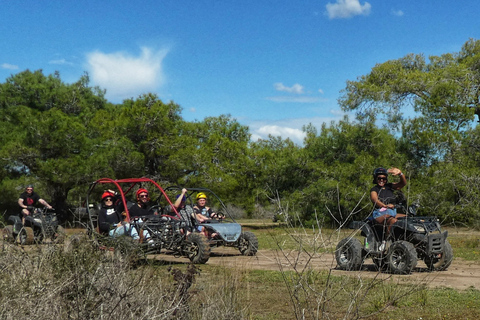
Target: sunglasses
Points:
(108, 199)
(143, 196)
(381, 178)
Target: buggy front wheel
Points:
(248, 243)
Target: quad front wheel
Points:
(349, 254)
(401, 257)
(59, 235)
(197, 248)
(248, 243)
(441, 261)
(26, 236)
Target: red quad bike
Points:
(411, 238)
(229, 232)
(166, 230)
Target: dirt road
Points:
(460, 275)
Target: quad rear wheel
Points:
(8, 234)
(349, 254)
(401, 257)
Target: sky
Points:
(273, 65)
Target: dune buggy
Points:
(411, 238)
(41, 225)
(228, 232)
(166, 231)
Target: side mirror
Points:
(412, 209)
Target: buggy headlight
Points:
(419, 228)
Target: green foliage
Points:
(65, 136)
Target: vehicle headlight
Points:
(419, 228)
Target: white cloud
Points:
(296, 99)
(60, 62)
(9, 66)
(123, 75)
(397, 13)
(296, 88)
(347, 9)
(290, 128)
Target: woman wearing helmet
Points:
(383, 197)
(110, 221)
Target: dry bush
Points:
(39, 282)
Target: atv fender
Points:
(367, 232)
(436, 242)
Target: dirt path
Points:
(460, 275)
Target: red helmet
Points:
(142, 190)
(107, 194)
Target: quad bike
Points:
(166, 231)
(228, 232)
(411, 238)
(42, 224)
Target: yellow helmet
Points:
(201, 195)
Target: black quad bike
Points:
(411, 238)
(166, 231)
(229, 232)
(41, 225)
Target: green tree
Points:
(45, 125)
(443, 91)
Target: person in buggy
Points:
(142, 208)
(111, 221)
(383, 196)
(204, 214)
(185, 211)
(28, 200)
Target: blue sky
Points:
(273, 65)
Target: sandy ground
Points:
(460, 275)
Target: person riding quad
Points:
(28, 200)
(110, 220)
(383, 197)
(204, 214)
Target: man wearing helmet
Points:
(383, 197)
(142, 207)
(28, 200)
(203, 214)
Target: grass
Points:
(86, 283)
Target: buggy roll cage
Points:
(133, 182)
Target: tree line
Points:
(61, 137)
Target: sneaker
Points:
(382, 246)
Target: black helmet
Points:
(379, 172)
